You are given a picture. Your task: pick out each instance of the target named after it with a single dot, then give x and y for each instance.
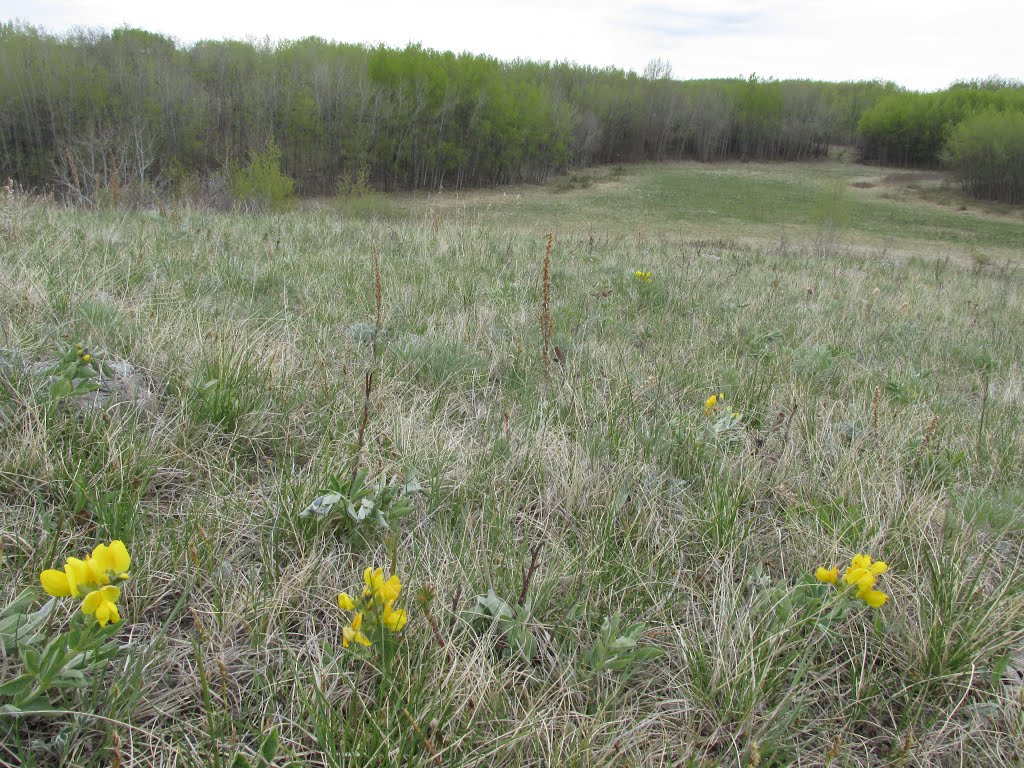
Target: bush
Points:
(261, 184)
(986, 152)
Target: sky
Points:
(919, 44)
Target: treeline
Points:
(90, 110)
(974, 128)
(911, 129)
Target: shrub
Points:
(261, 184)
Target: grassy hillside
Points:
(872, 405)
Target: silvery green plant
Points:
(616, 647)
(346, 504)
(511, 622)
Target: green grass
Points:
(881, 413)
(755, 201)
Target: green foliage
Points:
(511, 621)
(911, 129)
(347, 505)
(436, 119)
(50, 660)
(616, 647)
(74, 373)
(268, 749)
(986, 152)
(261, 182)
(915, 385)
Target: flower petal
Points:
(91, 602)
(873, 598)
(362, 639)
(878, 568)
(81, 579)
(345, 602)
(854, 575)
(861, 561)
(121, 560)
(55, 583)
(390, 589)
(827, 575)
(395, 620)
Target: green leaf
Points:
(269, 747)
(998, 668)
(84, 388)
(54, 657)
(321, 506)
(24, 599)
(17, 686)
(30, 657)
(60, 388)
(412, 485)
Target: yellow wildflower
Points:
(345, 602)
(77, 579)
(352, 632)
(392, 619)
(713, 403)
(873, 597)
(863, 573)
(379, 589)
(110, 562)
(102, 603)
(107, 563)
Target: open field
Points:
(878, 210)
(869, 345)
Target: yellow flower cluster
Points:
(713, 403)
(377, 602)
(862, 574)
(93, 580)
(643, 277)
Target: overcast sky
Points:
(921, 44)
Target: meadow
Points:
(600, 565)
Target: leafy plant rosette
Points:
(511, 621)
(52, 660)
(346, 505)
(722, 421)
(75, 373)
(616, 647)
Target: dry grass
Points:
(860, 378)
